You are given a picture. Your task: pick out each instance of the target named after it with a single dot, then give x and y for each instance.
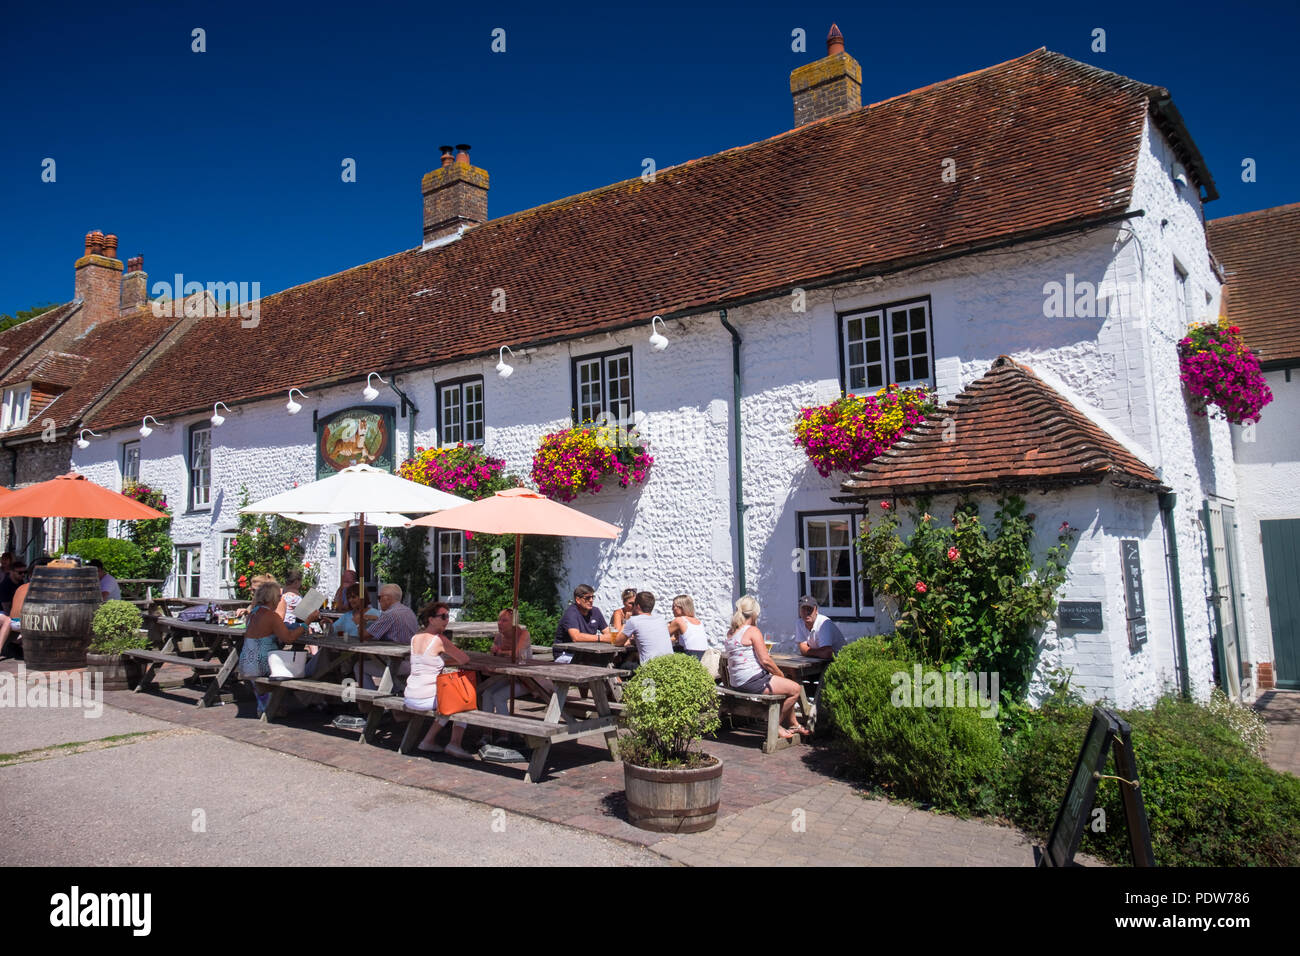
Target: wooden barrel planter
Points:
(673, 801)
(56, 616)
(118, 672)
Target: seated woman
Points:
(428, 649)
(622, 614)
(494, 693)
(751, 670)
(253, 585)
(349, 625)
(685, 628)
(266, 632)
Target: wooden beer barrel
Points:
(673, 801)
(56, 617)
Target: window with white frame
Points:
(130, 462)
(200, 455)
(1180, 291)
(187, 569)
(454, 552)
(830, 570)
(226, 577)
(887, 345)
(602, 384)
(17, 405)
(461, 414)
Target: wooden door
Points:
(1220, 527)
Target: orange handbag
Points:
(457, 691)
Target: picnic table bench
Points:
(212, 664)
(767, 707)
(348, 693)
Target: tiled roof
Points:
(1008, 430)
(1039, 142)
(17, 339)
(1260, 252)
(103, 355)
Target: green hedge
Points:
(949, 756)
(1209, 799)
(121, 558)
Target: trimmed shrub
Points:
(116, 627)
(671, 702)
(948, 756)
(121, 558)
(1210, 801)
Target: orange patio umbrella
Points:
(519, 511)
(73, 496)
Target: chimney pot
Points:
(95, 241)
(448, 155)
(834, 41)
(462, 153)
(110, 246)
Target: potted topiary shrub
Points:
(670, 704)
(116, 628)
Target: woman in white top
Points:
(429, 648)
(751, 670)
(685, 628)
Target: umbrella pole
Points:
(514, 640)
(361, 576)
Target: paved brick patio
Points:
(782, 808)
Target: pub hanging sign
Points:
(361, 435)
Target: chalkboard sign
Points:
(1076, 808)
(1081, 615)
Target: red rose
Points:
(884, 505)
(920, 587)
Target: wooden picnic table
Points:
(219, 654)
(804, 671)
(558, 723)
(390, 653)
(597, 654)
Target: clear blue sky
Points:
(225, 165)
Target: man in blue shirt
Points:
(582, 620)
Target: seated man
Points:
(650, 633)
(396, 623)
(108, 587)
(582, 620)
(818, 635)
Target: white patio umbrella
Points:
(354, 491)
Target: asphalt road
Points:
(172, 796)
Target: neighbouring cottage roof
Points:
(17, 340)
(1260, 252)
(1040, 142)
(82, 377)
(1008, 430)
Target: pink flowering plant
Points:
(463, 470)
(849, 432)
(585, 457)
(1218, 369)
(152, 537)
(964, 594)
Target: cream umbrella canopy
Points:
(356, 490)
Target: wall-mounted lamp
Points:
(293, 407)
(658, 342)
(217, 417)
(504, 370)
(1179, 174)
(145, 430)
(370, 392)
(81, 439)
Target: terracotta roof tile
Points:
(1009, 429)
(18, 339)
(1260, 252)
(858, 191)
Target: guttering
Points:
(737, 444)
(1167, 502)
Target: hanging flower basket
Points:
(585, 457)
(463, 470)
(1218, 369)
(849, 432)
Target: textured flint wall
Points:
(679, 532)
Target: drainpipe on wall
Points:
(1168, 500)
(736, 445)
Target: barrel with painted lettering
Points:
(56, 615)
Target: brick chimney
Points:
(455, 195)
(828, 86)
(135, 287)
(98, 283)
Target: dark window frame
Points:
(841, 320)
(460, 381)
(138, 460)
(190, 486)
(863, 612)
(576, 360)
